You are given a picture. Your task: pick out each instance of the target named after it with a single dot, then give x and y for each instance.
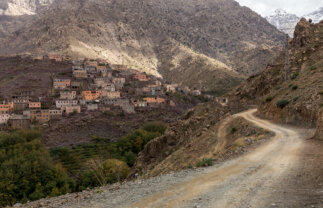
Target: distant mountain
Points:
(22, 7)
(316, 16)
(208, 45)
(286, 22)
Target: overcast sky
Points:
(267, 7)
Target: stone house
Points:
(106, 73)
(34, 105)
(139, 103)
(55, 57)
(81, 74)
(67, 95)
(91, 63)
(90, 69)
(4, 118)
(222, 100)
(43, 116)
(115, 101)
(4, 108)
(91, 95)
(76, 85)
(196, 92)
(119, 67)
(77, 67)
(101, 82)
(19, 122)
(154, 100)
(92, 107)
(171, 88)
(71, 109)
(109, 94)
(141, 77)
(63, 103)
(61, 83)
(128, 108)
(119, 82)
(100, 68)
(110, 88)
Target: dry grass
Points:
(239, 142)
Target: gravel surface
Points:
(285, 171)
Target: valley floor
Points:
(286, 171)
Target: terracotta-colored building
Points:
(55, 57)
(91, 95)
(61, 83)
(34, 105)
(154, 100)
(141, 77)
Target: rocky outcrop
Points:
(22, 7)
(296, 81)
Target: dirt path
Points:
(246, 182)
(287, 171)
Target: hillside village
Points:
(91, 85)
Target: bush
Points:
(321, 93)
(295, 75)
(269, 99)
(296, 98)
(205, 162)
(155, 127)
(277, 88)
(313, 67)
(282, 103)
(295, 87)
(234, 129)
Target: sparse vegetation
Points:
(239, 143)
(205, 162)
(296, 98)
(269, 99)
(277, 87)
(295, 87)
(295, 75)
(234, 129)
(282, 103)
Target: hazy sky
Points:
(267, 7)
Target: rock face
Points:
(209, 43)
(297, 82)
(286, 22)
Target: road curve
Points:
(248, 181)
(270, 175)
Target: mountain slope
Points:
(299, 98)
(134, 33)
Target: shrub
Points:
(313, 67)
(295, 87)
(234, 129)
(269, 99)
(321, 93)
(277, 87)
(155, 127)
(205, 162)
(295, 75)
(239, 142)
(282, 103)
(296, 98)
(190, 166)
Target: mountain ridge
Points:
(136, 33)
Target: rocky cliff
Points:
(175, 39)
(291, 89)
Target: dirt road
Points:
(286, 171)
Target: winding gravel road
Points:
(256, 179)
